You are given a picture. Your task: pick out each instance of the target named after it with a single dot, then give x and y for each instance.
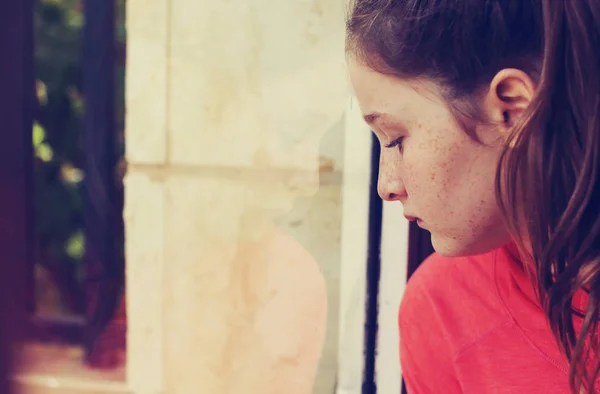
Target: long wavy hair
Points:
(548, 180)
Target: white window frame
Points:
(356, 189)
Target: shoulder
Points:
(283, 284)
(459, 293)
(289, 320)
(440, 274)
(294, 268)
(295, 308)
(448, 303)
(455, 297)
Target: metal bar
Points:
(104, 265)
(419, 248)
(373, 275)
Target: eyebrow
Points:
(389, 120)
(373, 117)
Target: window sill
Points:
(54, 369)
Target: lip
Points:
(415, 219)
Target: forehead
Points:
(381, 93)
(371, 87)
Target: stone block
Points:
(255, 83)
(245, 305)
(145, 269)
(147, 81)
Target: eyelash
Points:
(397, 142)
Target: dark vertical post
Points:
(16, 165)
(104, 267)
(419, 247)
(369, 385)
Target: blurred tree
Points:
(58, 134)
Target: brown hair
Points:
(548, 178)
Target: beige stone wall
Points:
(227, 104)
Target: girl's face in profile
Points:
(442, 177)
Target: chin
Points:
(452, 247)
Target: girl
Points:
(488, 112)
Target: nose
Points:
(390, 185)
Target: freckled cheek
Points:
(441, 176)
(418, 181)
(428, 175)
(429, 187)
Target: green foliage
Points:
(58, 133)
(42, 150)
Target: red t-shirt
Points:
(473, 325)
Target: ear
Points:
(509, 95)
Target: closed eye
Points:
(397, 142)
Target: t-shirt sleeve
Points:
(425, 353)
